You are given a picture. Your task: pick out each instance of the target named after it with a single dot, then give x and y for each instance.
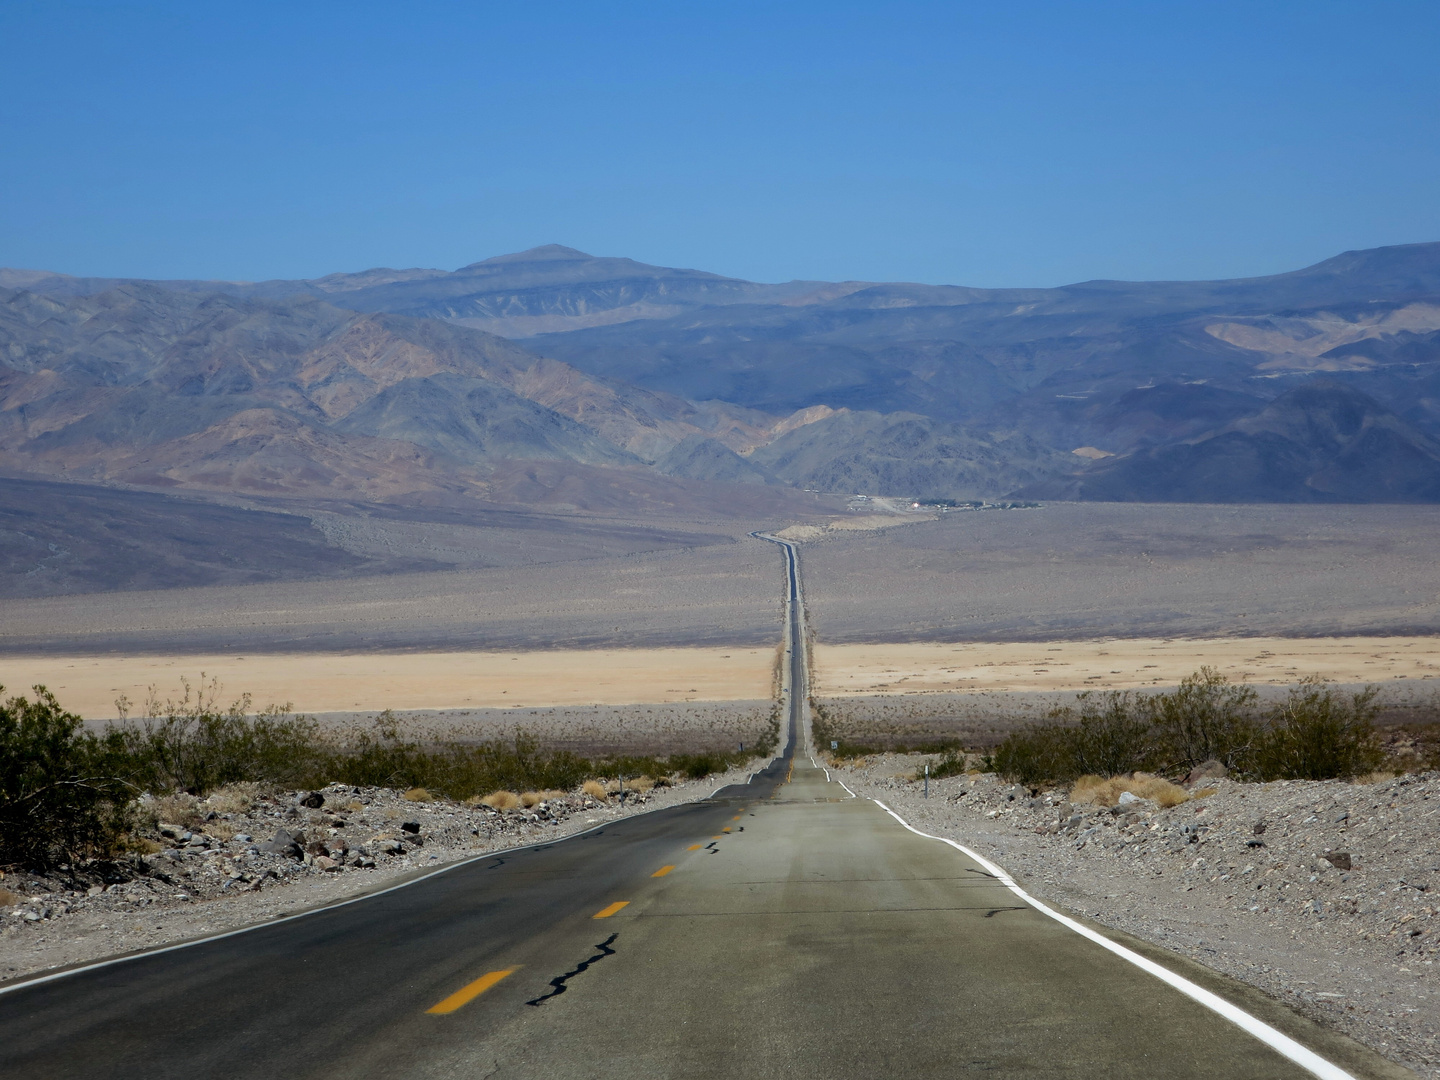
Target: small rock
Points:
(411, 827)
(324, 862)
(1128, 797)
(1260, 828)
(282, 843)
(1338, 859)
(314, 800)
(1205, 771)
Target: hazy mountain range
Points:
(556, 377)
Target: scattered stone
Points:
(1339, 859)
(314, 800)
(1206, 772)
(282, 843)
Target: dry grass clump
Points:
(1377, 777)
(220, 830)
(535, 798)
(233, 798)
(418, 794)
(1102, 792)
(593, 788)
(179, 809)
(501, 800)
(640, 783)
(1205, 792)
(8, 898)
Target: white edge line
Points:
(832, 780)
(20, 985)
(1281, 1043)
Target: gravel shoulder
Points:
(1238, 881)
(220, 874)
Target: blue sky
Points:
(1024, 143)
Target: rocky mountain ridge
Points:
(382, 384)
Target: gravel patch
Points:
(229, 864)
(1322, 894)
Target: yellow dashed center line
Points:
(725, 829)
(466, 994)
(693, 847)
(662, 871)
(606, 912)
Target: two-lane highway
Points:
(780, 928)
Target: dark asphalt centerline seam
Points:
(560, 980)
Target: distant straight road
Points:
(779, 928)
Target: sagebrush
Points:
(66, 794)
(1317, 733)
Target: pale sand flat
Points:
(1116, 664)
(337, 682)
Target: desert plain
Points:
(973, 612)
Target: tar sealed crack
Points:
(560, 980)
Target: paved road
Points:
(781, 928)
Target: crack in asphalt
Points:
(560, 980)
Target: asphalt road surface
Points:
(781, 928)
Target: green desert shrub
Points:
(61, 795)
(1039, 755)
(1319, 733)
(1207, 718)
(66, 794)
(195, 745)
(1103, 735)
(951, 763)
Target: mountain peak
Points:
(543, 253)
